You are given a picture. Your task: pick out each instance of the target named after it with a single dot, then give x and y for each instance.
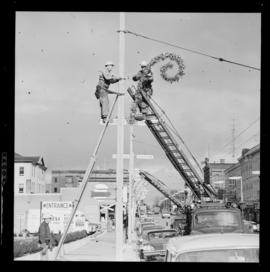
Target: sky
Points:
(58, 56)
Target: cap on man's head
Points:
(143, 63)
(109, 63)
(46, 216)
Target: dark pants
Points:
(104, 104)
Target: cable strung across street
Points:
(189, 50)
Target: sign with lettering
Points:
(60, 212)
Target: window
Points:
(21, 171)
(55, 189)
(21, 188)
(55, 180)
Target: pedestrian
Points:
(45, 237)
(145, 79)
(102, 89)
(125, 223)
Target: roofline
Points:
(237, 164)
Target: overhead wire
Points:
(250, 125)
(189, 50)
(253, 136)
(244, 130)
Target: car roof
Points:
(153, 227)
(147, 223)
(211, 209)
(212, 241)
(160, 230)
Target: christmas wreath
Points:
(169, 65)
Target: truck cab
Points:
(215, 218)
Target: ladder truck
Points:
(177, 157)
(201, 189)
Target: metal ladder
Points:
(160, 186)
(176, 156)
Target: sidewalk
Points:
(66, 248)
(100, 248)
(130, 253)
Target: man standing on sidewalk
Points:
(45, 237)
(102, 90)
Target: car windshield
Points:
(148, 220)
(161, 235)
(224, 255)
(151, 227)
(216, 219)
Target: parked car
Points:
(147, 219)
(251, 226)
(150, 227)
(153, 243)
(178, 223)
(166, 215)
(141, 225)
(216, 247)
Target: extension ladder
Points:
(176, 156)
(160, 186)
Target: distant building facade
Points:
(247, 164)
(100, 191)
(218, 177)
(73, 178)
(29, 174)
(233, 186)
(250, 161)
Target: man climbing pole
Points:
(102, 89)
(145, 78)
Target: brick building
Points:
(217, 174)
(233, 186)
(246, 168)
(250, 162)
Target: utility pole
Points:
(120, 146)
(131, 168)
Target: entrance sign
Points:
(60, 212)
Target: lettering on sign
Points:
(57, 205)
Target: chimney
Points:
(222, 160)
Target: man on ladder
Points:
(102, 89)
(145, 78)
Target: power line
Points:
(187, 49)
(250, 125)
(253, 136)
